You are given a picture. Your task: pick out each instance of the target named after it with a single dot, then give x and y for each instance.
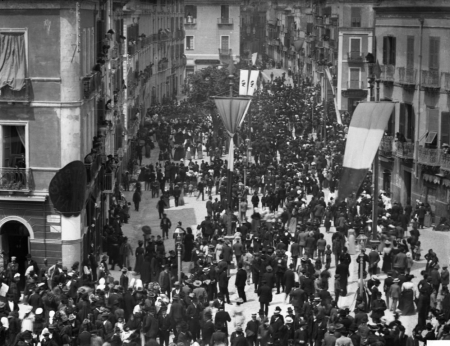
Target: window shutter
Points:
(385, 49)
(410, 52)
(445, 127)
(433, 120)
(411, 121)
(402, 119)
(354, 45)
(434, 53)
(392, 50)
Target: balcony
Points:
(387, 73)
(429, 156)
(190, 21)
(225, 21)
(355, 57)
(431, 80)
(445, 162)
(407, 77)
(404, 150)
(15, 179)
(385, 148)
(355, 85)
(109, 180)
(24, 95)
(93, 163)
(224, 52)
(446, 76)
(90, 84)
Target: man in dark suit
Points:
(221, 319)
(35, 300)
(223, 285)
(241, 280)
(11, 305)
(265, 296)
(289, 280)
(252, 331)
(387, 284)
(276, 322)
(177, 311)
(129, 303)
(298, 298)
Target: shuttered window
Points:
(445, 128)
(356, 17)
(410, 121)
(434, 53)
(410, 52)
(389, 50)
(432, 125)
(402, 119)
(225, 42)
(354, 78)
(355, 46)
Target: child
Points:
(124, 278)
(328, 253)
(318, 265)
(417, 250)
(409, 262)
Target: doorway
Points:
(408, 181)
(387, 181)
(16, 242)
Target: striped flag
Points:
(364, 136)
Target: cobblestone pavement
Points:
(194, 212)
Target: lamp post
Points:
(179, 233)
(362, 240)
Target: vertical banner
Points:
(253, 82)
(254, 58)
(243, 82)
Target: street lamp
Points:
(362, 240)
(179, 233)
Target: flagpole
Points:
(230, 158)
(376, 170)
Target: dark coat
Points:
(227, 252)
(289, 280)
(241, 278)
(265, 293)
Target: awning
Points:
(366, 130)
(431, 178)
(298, 44)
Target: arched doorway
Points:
(15, 241)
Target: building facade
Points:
(212, 33)
(412, 47)
(77, 87)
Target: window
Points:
(190, 12)
(355, 47)
(189, 42)
(354, 78)
(410, 52)
(434, 53)
(407, 121)
(13, 57)
(189, 70)
(389, 43)
(14, 146)
(356, 17)
(432, 126)
(225, 12)
(445, 128)
(225, 43)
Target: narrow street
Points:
(194, 212)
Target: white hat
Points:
(17, 275)
(39, 311)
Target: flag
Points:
(253, 82)
(377, 70)
(243, 82)
(254, 58)
(232, 110)
(364, 136)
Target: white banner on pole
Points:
(253, 82)
(254, 57)
(243, 82)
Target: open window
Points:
(432, 127)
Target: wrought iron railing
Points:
(15, 179)
(430, 79)
(429, 156)
(404, 150)
(93, 166)
(386, 146)
(23, 95)
(90, 84)
(407, 75)
(355, 56)
(445, 162)
(387, 73)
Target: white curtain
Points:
(21, 132)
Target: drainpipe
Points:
(419, 103)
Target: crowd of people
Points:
(287, 182)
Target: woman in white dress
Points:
(238, 314)
(219, 248)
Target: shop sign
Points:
(53, 218)
(354, 94)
